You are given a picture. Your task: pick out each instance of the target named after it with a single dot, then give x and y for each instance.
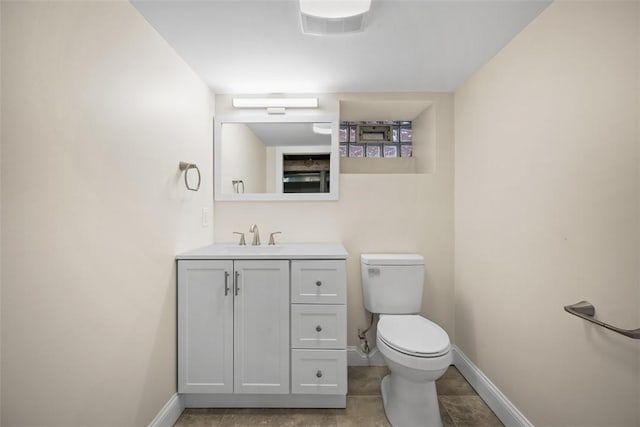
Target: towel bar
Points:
(586, 310)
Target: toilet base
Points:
(410, 404)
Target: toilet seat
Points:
(413, 335)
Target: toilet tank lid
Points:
(392, 259)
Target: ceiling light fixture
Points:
(323, 17)
(275, 105)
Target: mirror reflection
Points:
(275, 157)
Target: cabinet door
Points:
(205, 326)
(261, 326)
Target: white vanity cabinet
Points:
(233, 326)
(262, 327)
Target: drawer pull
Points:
(318, 328)
(318, 283)
(319, 374)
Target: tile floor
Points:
(460, 406)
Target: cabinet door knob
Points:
(318, 328)
(319, 374)
(318, 283)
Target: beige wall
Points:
(547, 214)
(375, 213)
(245, 159)
(97, 111)
(0, 215)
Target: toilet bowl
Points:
(417, 352)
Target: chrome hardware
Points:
(226, 283)
(272, 241)
(256, 235)
(242, 241)
(185, 167)
(587, 311)
(237, 287)
(319, 374)
(238, 186)
(318, 328)
(318, 283)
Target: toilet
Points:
(416, 350)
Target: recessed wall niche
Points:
(420, 113)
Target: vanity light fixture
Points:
(275, 105)
(324, 17)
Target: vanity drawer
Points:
(318, 281)
(319, 371)
(318, 326)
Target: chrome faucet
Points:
(256, 235)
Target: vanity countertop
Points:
(279, 251)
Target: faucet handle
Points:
(272, 241)
(242, 241)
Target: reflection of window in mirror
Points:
(303, 169)
(306, 173)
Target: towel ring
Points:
(184, 166)
(237, 185)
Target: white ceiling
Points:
(242, 46)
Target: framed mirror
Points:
(276, 158)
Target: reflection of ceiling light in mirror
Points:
(321, 17)
(322, 128)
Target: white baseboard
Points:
(169, 413)
(498, 402)
(356, 357)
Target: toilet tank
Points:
(392, 283)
